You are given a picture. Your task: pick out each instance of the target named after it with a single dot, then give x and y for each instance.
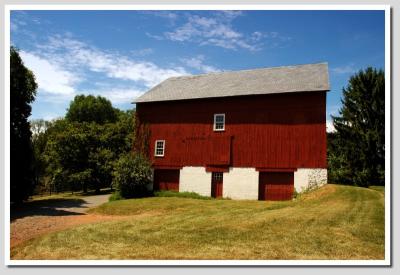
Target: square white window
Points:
(219, 122)
(159, 148)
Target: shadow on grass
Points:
(47, 207)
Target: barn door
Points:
(216, 184)
(165, 179)
(276, 186)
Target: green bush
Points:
(116, 196)
(131, 175)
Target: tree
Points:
(358, 146)
(38, 126)
(22, 92)
(39, 140)
(82, 155)
(67, 152)
(131, 175)
(91, 109)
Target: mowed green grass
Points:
(333, 222)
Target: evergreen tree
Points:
(23, 90)
(357, 151)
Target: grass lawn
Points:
(333, 222)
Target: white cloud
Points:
(64, 67)
(215, 31)
(257, 36)
(165, 14)
(346, 69)
(20, 19)
(232, 14)
(15, 24)
(329, 126)
(197, 63)
(76, 54)
(119, 95)
(154, 36)
(50, 77)
(142, 52)
(50, 116)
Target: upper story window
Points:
(159, 148)
(219, 122)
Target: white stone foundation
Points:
(241, 184)
(305, 178)
(195, 179)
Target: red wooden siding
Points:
(267, 131)
(215, 168)
(166, 179)
(276, 186)
(216, 184)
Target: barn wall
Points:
(312, 177)
(272, 131)
(195, 179)
(241, 183)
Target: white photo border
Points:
(388, 188)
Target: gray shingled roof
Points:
(299, 78)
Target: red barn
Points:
(253, 134)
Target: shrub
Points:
(131, 175)
(305, 190)
(116, 196)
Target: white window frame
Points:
(163, 149)
(215, 122)
(218, 176)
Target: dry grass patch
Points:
(334, 222)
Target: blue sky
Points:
(122, 54)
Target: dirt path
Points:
(49, 216)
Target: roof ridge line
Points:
(246, 70)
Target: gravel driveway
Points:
(43, 217)
(89, 202)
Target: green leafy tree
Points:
(357, 149)
(101, 161)
(82, 155)
(23, 90)
(39, 128)
(68, 151)
(131, 175)
(118, 136)
(91, 109)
